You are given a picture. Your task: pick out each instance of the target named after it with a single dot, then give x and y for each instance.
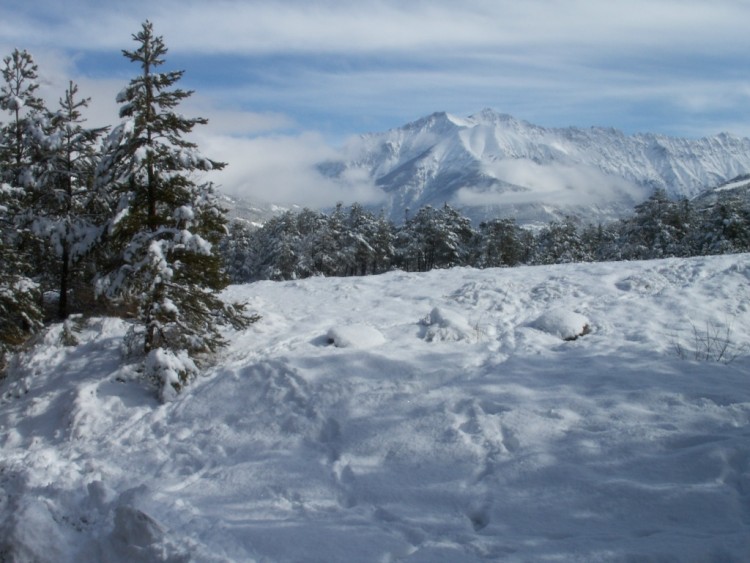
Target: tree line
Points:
(111, 218)
(355, 241)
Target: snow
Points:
(564, 324)
(446, 325)
(491, 164)
(743, 183)
(449, 422)
(355, 336)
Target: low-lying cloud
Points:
(283, 169)
(552, 183)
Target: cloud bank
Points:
(282, 169)
(553, 183)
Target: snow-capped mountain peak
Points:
(492, 164)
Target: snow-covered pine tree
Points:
(361, 230)
(65, 218)
(326, 244)
(435, 238)
(383, 244)
(20, 311)
(18, 98)
(238, 250)
(723, 227)
(166, 227)
(559, 242)
(657, 229)
(500, 244)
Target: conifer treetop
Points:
(20, 76)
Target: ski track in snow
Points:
(459, 427)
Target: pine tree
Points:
(20, 302)
(560, 243)
(657, 229)
(165, 225)
(18, 98)
(435, 238)
(20, 312)
(723, 227)
(383, 244)
(500, 243)
(238, 251)
(327, 242)
(66, 216)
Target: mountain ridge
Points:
(492, 164)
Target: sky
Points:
(284, 83)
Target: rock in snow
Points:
(564, 324)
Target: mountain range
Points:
(492, 164)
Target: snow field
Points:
(402, 417)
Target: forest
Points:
(355, 241)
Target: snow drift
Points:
(494, 439)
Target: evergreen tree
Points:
(18, 98)
(20, 300)
(559, 243)
(382, 243)
(327, 242)
(165, 225)
(723, 227)
(309, 246)
(500, 244)
(599, 242)
(66, 217)
(20, 149)
(434, 238)
(237, 249)
(359, 232)
(658, 228)
(20, 312)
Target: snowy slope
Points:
(446, 416)
(490, 164)
(735, 190)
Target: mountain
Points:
(492, 164)
(736, 189)
(252, 212)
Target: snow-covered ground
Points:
(449, 416)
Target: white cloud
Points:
(552, 183)
(282, 169)
(341, 26)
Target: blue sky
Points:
(290, 79)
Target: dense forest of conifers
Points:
(354, 241)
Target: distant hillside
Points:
(735, 189)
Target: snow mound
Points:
(355, 336)
(446, 325)
(563, 324)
